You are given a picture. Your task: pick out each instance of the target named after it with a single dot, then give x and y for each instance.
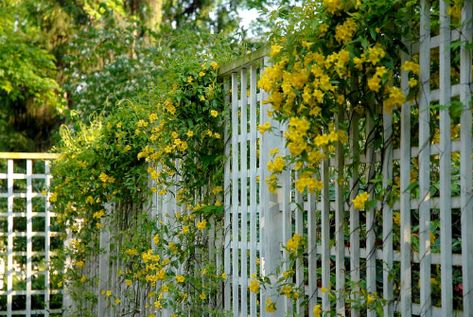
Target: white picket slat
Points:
(227, 202)
(388, 252)
(235, 195)
(405, 201)
(253, 185)
(424, 159)
(354, 215)
(244, 191)
(325, 232)
(445, 162)
(465, 156)
(340, 222)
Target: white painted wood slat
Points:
(445, 162)
(244, 191)
(235, 195)
(466, 156)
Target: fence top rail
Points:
(243, 62)
(28, 156)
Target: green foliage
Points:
(29, 92)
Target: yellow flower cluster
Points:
(396, 99)
(307, 181)
(254, 286)
(277, 165)
(294, 243)
(344, 32)
(360, 200)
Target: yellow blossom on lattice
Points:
(98, 214)
(117, 301)
(180, 278)
(360, 200)
(201, 225)
(128, 282)
(157, 304)
(223, 276)
(214, 113)
(286, 290)
(270, 306)
(277, 165)
(294, 243)
(262, 128)
(185, 229)
(412, 82)
(410, 66)
(317, 310)
(396, 98)
(217, 189)
(322, 140)
(254, 286)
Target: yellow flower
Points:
(324, 290)
(131, 252)
(286, 290)
(214, 113)
(410, 66)
(223, 276)
(371, 298)
(52, 197)
(98, 214)
(262, 128)
(128, 282)
(180, 278)
(80, 264)
(397, 218)
(103, 177)
(344, 32)
(412, 82)
(157, 304)
(201, 74)
(214, 65)
(108, 293)
(90, 200)
(360, 200)
(294, 243)
(153, 117)
(117, 301)
(190, 79)
(201, 225)
(276, 165)
(190, 133)
(254, 286)
(270, 306)
(185, 229)
(156, 239)
(275, 50)
(202, 296)
(317, 310)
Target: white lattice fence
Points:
(415, 252)
(28, 237)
